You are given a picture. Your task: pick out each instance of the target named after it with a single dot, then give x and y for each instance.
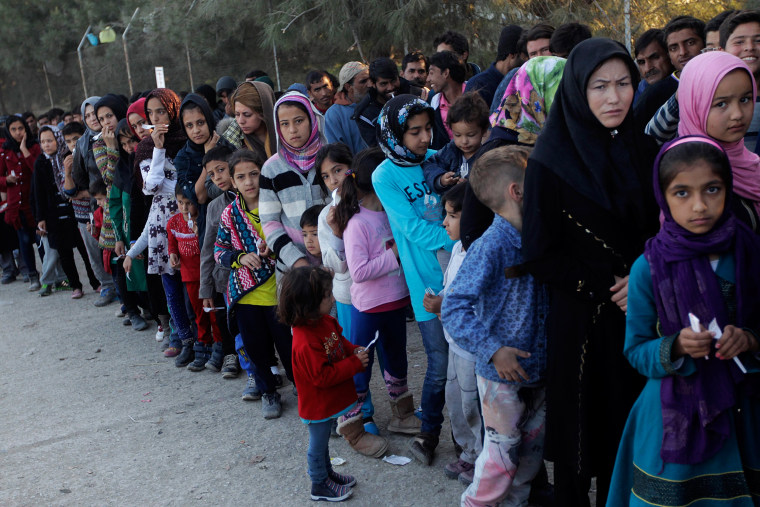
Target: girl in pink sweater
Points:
(379, 293)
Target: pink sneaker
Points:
(77, 294)
(172, 351)
(457, 468)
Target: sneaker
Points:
(126, 322)
(138, 323)
(271, 407)
(186, 355)
(9, 278)
(121, 312)
(160, 333)
(329, 491)
(197, 364)
(468, 476)
(107, 296)
(46, 290)
(423, 447)
(77, 294)
(165, 342)
(251, 392)
(454, 469)
(34, 283)
(340, 479)
(172, 351)
(216, 361)
(26, 278)
(230, 369)
(62, 286)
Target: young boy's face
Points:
(102, 200)
(186, 206)
(246, 180)
(467, 137)
(71, 141)
(310, 240)
(451, 222)
(219, 170)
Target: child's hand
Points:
(432, 304)
(208, 303)
(212, 141)
(174, 261)
(333, 223)
(507, 366)
(448, 179)
(42, 228)
(68, 163)
(620, 293)
(733, 342)
(394, 247)
(11, 178)
(159, 131)
(363, 355)
(692, 344)
(250, 260)
(127, 263)
(89, 227)
(119, 249)
(264, 250)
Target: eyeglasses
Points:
(708, 50)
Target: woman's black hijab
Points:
(10, 143)
(124, 169)
(199, 101)
(608, 166)
(115, 103)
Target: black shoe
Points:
(278, 381)
(423, 447)
(329, 491)
(137, 322)
(186, 356)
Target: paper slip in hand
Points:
(715, 329)
(397, 460)
(334, 197)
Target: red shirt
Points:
(19, 193)
(324, 365)
(184, 242)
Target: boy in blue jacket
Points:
(495, 310)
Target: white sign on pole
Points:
(160, 82)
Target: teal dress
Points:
(640, 477)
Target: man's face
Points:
(683, 45)
(387, 88)
(416, 73)
(358, 89)
(321, 93)
(538, 47)
(744, 43)
(448, 47)
(32, 122)
(712, 40)
(437, 78)
(653, 64)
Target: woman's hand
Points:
(692, 344)
(735, 341)
(119, 249)
(127, 263)
(24, 149)
(159, 131)
(620, 293)
(212, 141)
(109, 137)
(251, 261)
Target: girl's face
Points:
(90, 118)
(195, 125)
(419, 133)
(186, 206)
(696, 197)
(128, 143)
(327, 302)
(246, 179)
(731, 108)
(107, 119)
(137, 121)
(48, 143)
(333, 174)
(247, 119)
(17, 130)
(295, 125)
(610, 93)
(157, 113)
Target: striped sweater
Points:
(284, 195)
(106, 159)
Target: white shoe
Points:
(160, 334)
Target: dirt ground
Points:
(93, 414)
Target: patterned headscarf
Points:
(175, 139)
(529, 96)
(56, 160)
(302, 159)
(391, 127)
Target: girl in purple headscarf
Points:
(691, 437)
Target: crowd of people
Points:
(574, 230)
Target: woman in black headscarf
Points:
(588, 210)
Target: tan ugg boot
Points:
(403, 419)
(364, 443)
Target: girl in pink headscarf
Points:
(717, 97)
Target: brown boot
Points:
(403, 419)
(364, 443)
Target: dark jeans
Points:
(318, 455)
(26, 243)
(260, 329)
(176, 299)
(66, 255)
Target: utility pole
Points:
(126, 53)
(81, 65)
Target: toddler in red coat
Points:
(324, 365)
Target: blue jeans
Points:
(434, 386)
(26, 242)
(318, 455)
(175, 300)
(391, 351)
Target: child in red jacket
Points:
(324, 364)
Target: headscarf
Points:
(175, 139)
(696, 408)
(699, 80)
(200, 101)
(56, 160)
(601, 164)
(10, 143)
(529, 97)
(302, 159)
(115, 103)
(391, 127)
(266, 97)
(137, 107)
(89, 101)
(122, 178)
